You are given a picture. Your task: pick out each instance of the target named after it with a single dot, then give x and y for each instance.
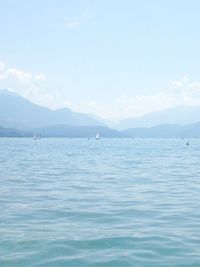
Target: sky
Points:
(111, 58)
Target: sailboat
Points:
(35, 136)
(97, 137)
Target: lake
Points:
(109, 203)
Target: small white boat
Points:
(35, 137)
(97, 137)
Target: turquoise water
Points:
(112, 202)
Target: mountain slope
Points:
(8, 132)
(78, 131)
(175, 115)
(166, 131)
(18, 112)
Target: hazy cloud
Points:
(40, 77)
(180, 92)
(52, 100)
(19, 75)
(28, 85)
(2, 66)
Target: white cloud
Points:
(2, 66)
(181, 92)
(29, 86)
(40, 77)
(89, 103)
(52, 100)
(19, 75)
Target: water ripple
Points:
(78, 202)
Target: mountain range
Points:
(175, 115)
(165, 131)
(10, 132)
(18, 112)
(21, 118)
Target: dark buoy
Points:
(187, 144)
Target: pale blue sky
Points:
(113, 58)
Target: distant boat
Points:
(97, 137)
(187, 144)
(35, 137)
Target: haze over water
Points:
(112, 202)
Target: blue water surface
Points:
(109, 203)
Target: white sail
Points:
(97, 136)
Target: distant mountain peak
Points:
(18, 112)
(181, 114)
